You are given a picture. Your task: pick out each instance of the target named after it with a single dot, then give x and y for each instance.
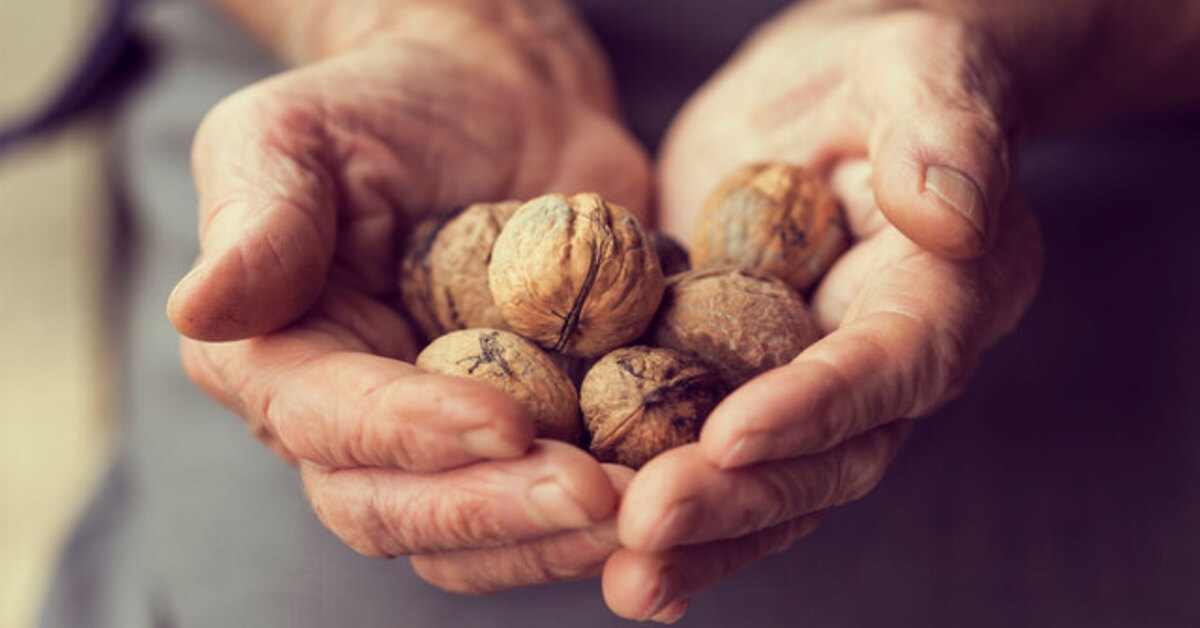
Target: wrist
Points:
(1078, 62)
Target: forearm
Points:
(545, 35)
(1078, 61)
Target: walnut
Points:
(741, 322)
(640, 401)
(516, 366)
(672, 257)
(443, 274)
(776, 218)
(575, 274)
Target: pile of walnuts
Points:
(603, 330)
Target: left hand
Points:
(905, 114)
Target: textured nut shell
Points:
(443, 274)
(672, 256)
(516, 366)
(737, 320)
(776, 218)
(638, 402)
(576, 275)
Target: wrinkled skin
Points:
(876, 100)
(307, 179)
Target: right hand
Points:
(306, 182)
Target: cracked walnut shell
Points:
(740, 322)
(443, 274)
(776, 218)
(516, 366)
(638, 402)
(575, 274)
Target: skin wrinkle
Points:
(757, 543)
(336, 320)
(551, 559)
(784, 495)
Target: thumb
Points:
(941, 172)
(267, 221)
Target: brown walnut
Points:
(777, 218)
(443, 274)
(575, 274)
(640, 401)
(739, 321)
(672, 256)
(516, 366)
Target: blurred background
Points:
(54, 386)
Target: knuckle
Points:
(432, 569)
(783, 495)
(862, 468)
(465, 521)
(794, 530)
(553, 564)
(836, 472)
(391, 431)
(359, 525)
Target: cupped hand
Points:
(905, 114)
(307, 181)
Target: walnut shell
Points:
(443, 274)
(518, 367)
(640, 401)
(741, 322)
(777, 218)
(575, 274)
(672, 256)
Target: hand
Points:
(306, 182)
(905, 114)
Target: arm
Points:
(546, 34)
(1078, 62)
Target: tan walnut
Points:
(516, 366)
(640, 401)
(774, 217)
(739, 321)
(443, 272)
(575, 274)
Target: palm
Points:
(307, 183)
(363, 145)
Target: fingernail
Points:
(677, 527)
(189, 278)
(959, 192)
(554, 507)
(672, 613)
(749, 449)
(668, 585)
(487, 442)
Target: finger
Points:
(327, 401)
(574, 555)
(569, 556)
(940, 149)
(642, 585)
(267, 219)
(680, 499)
(907, 344)
(387, 513)
(850, 183)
